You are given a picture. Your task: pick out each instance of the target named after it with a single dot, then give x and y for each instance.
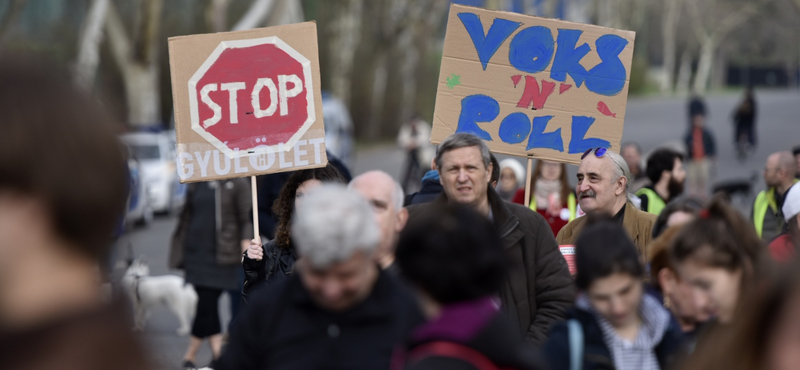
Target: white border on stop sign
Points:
(194, 109)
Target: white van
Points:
(156, 155)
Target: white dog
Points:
(147, 292)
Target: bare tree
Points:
(710, 35)
(88, 59)
(137, 59)
(669, 31)
(343, 32)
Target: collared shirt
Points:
(283, 328)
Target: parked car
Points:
(156, 155)
(139, 211)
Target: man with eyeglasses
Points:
(766, 214)
(603, 179)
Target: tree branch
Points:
(91, 37)
(255, 15)
(697, 23)
(118, 39)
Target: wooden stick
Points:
(528, 182)
(255, 207)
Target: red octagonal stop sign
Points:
(251, 94)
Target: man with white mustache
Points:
(603, 187)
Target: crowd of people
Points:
(356, 274)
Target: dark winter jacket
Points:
(596, 354)
(283, 328)
(277, 264)
(468, 326)
(709, 145)
(233, 222)
(539, 289)
(431, 188)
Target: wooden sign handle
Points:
(253, 190)
(528, 182)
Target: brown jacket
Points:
(539, 288)
(233, 222)
(638, 224)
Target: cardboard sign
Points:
(247, 102)
(532, 86)
(568, 251)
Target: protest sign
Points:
(247, 102)
(532, 86)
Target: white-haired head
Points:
(331, 224)
(372, 177)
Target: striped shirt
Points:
(639, 354)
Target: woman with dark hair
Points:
(551, 196)
(458, 297)
(614, 324)
(764, 336)
(721, 256)
(677, 212)
(676, 293)
(275, 259)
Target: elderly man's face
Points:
(464, 176)
(595, 188)
(377, 188)
(341, 285)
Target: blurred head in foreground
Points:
(720, 256)
(765, 335)
(62, 190)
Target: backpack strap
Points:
(575, 344)
(452, 350)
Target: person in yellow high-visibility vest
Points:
(666, 173)
(766, 215)
(551, 194)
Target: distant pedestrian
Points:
(414, 138)
(340, 310)
(459, 298)
(512, 177)
(701, 149)
(63, 180)
(551, 194)
(542, 288)
(666, 174)
(214, 229)
(721, 256)
(784, 247)
(603, 187)
(632, 153)
(275, 259)
(744, 120)
(766, 213)
(615, 324)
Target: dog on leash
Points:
(147, 292)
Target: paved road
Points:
(650, 121)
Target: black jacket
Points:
(282, 328)
(430, 190)
(539, 288)
(277, 264)
(596, 355)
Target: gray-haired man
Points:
(340, 310)
(539, 288)
(603, 178)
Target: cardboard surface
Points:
(532, 86)
(247, 102)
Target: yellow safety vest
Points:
(766, 198)
(654, 202)
(572, 205)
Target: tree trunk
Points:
(707, 47)
(684, 74)
(85, 66)
(343, 35)
(285, 12)
(142, 94)
(255, 15)
(217, 15)
(669, 30)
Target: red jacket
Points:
(781, 248)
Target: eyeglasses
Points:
(598, 152)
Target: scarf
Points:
(543, 190)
